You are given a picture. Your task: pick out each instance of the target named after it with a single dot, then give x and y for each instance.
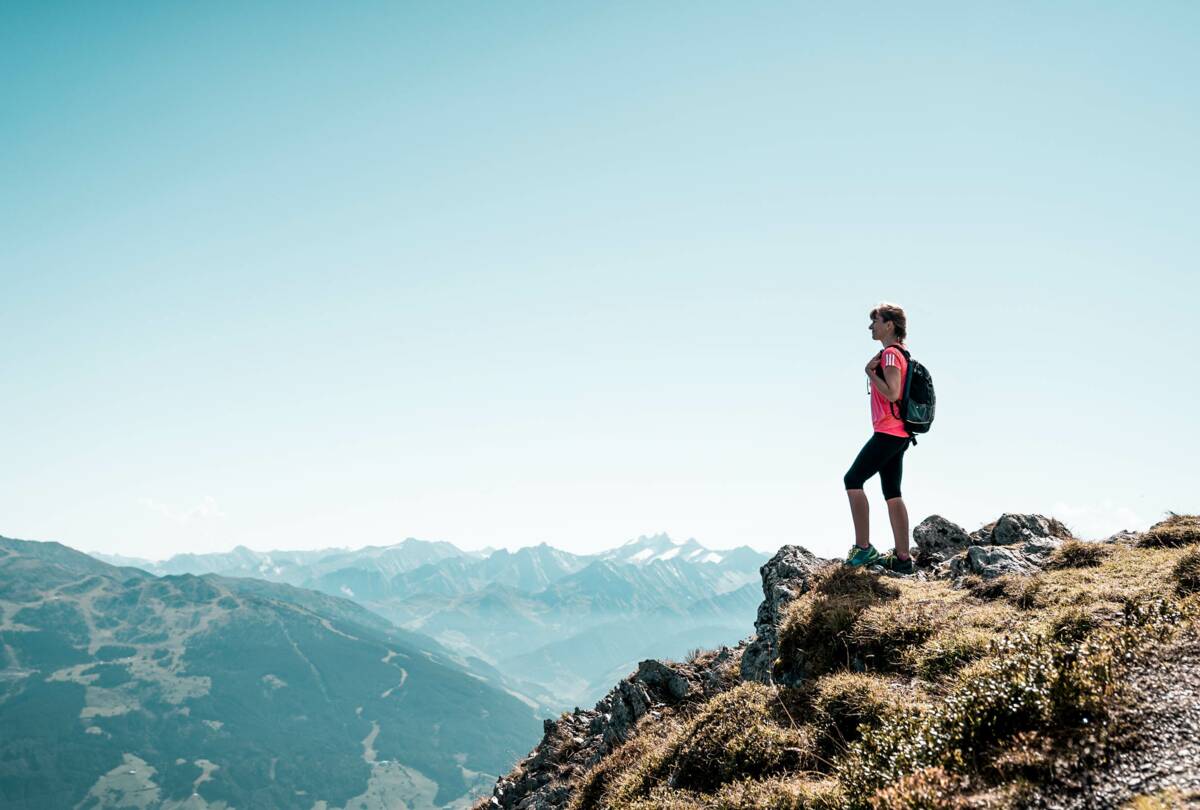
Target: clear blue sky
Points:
(302, 275)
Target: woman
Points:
(884, 451)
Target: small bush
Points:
(1169, 799)
(735, 735)
(1021, 590)
(989, 589)
(927, 789)
(1186, 572)
(779, 794)
(1077, 554)
(814, 634)
(843, 703)
(624, 769)
(1174, 532)
(1072, 624)
(884, 632)
(947, 652)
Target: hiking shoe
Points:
(890, 562)
(860, 556)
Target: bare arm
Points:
(889, 384)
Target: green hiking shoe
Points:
(891, 562)
(860, 556)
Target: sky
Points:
(299, 275)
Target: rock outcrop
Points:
(1014, 544)
(580, 739)
(785, 577)
(1013, 529)
(575, 742)
(936, 540)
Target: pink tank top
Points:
(883, 413)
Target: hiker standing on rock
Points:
(884, 451)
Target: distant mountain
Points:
(662, 548)
(505, 606)
(299, 567)
(120, 688)
(569, 665)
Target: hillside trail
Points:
(1164, 755)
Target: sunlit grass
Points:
(905, 693)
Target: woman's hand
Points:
(871, 366)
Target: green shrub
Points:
(1028, 683)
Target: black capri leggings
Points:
(884, 454)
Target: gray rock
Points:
(785, 577)
(990, 562)
(1014, 544)
(1125, 536)
(1010, 529)
(1038, 549)
(657, 674)
(938, 539)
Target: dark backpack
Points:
(917, 401)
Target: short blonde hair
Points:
(895, 314)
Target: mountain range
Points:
(121, 688)
(561, 624)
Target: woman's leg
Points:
(860, 511)
(874, 454)
(890, 475)
(898, 513)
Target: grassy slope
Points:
(914, 694)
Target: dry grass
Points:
(1186, 572)
(1170, 799)
(747, 794)
(1078, 554)
(814, 633)
(624, 764)
(845, 701)
(947, 652)
(946, 694)
(745, 733)
(1174, 532)
(932, 788)
(925, 629)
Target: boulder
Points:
(937, 539)
(990, 562)
(785, 577)
(1014, 544)
(1011, 529)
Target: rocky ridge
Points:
(545, 779)
(580, 739)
